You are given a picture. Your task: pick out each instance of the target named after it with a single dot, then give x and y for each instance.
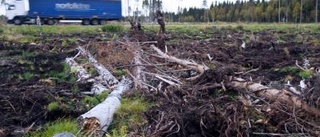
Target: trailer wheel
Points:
(85, 22)
(17, 21)
(95, 22)
(50, 22)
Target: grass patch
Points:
(27, 75)
(53, 106)
(305, 74)
(62, 125)
(95, 100)
(114, 28)
(64, 74)
(289, 70)
(130, 113)
(119, 72)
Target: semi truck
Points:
(53, 11)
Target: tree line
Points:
(297, 11)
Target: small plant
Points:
(112, 28)
(53, 106)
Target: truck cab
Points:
(16, 10)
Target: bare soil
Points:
(194, 110)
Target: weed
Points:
(62, 125)
(53, 106)
(112, 28)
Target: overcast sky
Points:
(168, 5)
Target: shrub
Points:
(112, 28)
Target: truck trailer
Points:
(52, 11)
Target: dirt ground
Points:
(30, 81)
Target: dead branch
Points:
(192, 65)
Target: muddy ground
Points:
(33, 75)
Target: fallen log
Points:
(139, 77)
(271, 94)
(81, 73)
(96, 121)
(103, 72)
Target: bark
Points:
(97, 120)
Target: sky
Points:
(169, 5)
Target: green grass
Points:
(130, 113)
(62, 125)
(63, 75)
(27, 75)
(114, 28)
(30, 33)
(289, 70)
(305, 74)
